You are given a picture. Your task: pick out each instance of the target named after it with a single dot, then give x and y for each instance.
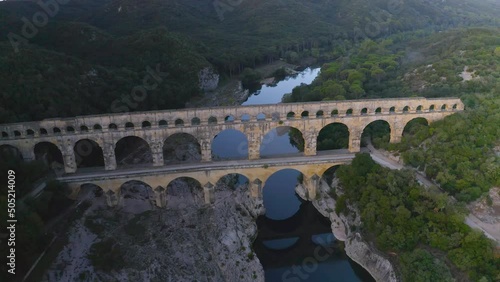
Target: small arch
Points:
(455, 107)
(97, 127)
(146, 124)
(212, 120)
(364, 111)
(43, 131)
(70, 129)
(419, 108)
(443, 107)
(348, 112)
(30, 132)
(392, 110)
(5, 134)
(290, 115)
(320, 114)
(129, 125)
(406, 109)
(113, 126)
(179, 122)
(229, 119)
(378, 111)
(261, 117)
(304, 114)
(56, 130)
(335, 113)
(195, 121)
(233, 181)
(163, 123)
(246, 118)
(17, 133)
(432, 108)
(84, 128)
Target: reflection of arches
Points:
(88, 154)
(49, 153)
(282, 140)
(11, 151)
(232, 181)
(413, 125)
(333, 136)
(132, 150)
(136, 196)
(230, 144)
(378, 132)
(181, 147)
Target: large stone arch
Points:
(185, 191)
(230, 143)
(280, 140)
(333, 136)
(181, 147)
(375, 131)
(88, 153)
(136, 196)
(414, 123)
(132, 150)
(278, 192)
(233, 181)
(50, 153)
(10, 150)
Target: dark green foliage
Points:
(250, 78)
(401, 215)
(106, 255)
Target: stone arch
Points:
(392, 110)
(162, 123)
(327, 173)
(246, 118)
(304, 114)
(146, 124)
(290, 115)
(17, 133)
(261, 117)
(233, 181)
(70, 129)
(97, 127)
(179, 122)
(84, 128)
(112, 126)
(455, 106)
(378, 132)
(378, 111)
(56, 130)
(7, 150)
(320, 114)
(5, 134)
(212, 120)
(129, 125)
(43, 131)
(419, 108)
(444, 107)
(195, 121)
(181, 147)
(279, 187)
(49, 153)
(364, 111)
(230, 144)
(30, 132)
(275, 116)
(88, 153)
(136, 197)
(91, 192)
(406, 109)
(432, 108)
(349, 112)
(333, 136)
(184, 192)
(334, 113)
(229, 119)
(133, 150)
(282, 140)
(414, 124)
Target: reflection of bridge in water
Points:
(303, 225)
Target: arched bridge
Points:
(205, 124)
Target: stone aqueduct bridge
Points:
(205, 123)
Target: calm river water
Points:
(290, 257)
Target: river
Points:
(291, 257)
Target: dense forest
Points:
(423, 229)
